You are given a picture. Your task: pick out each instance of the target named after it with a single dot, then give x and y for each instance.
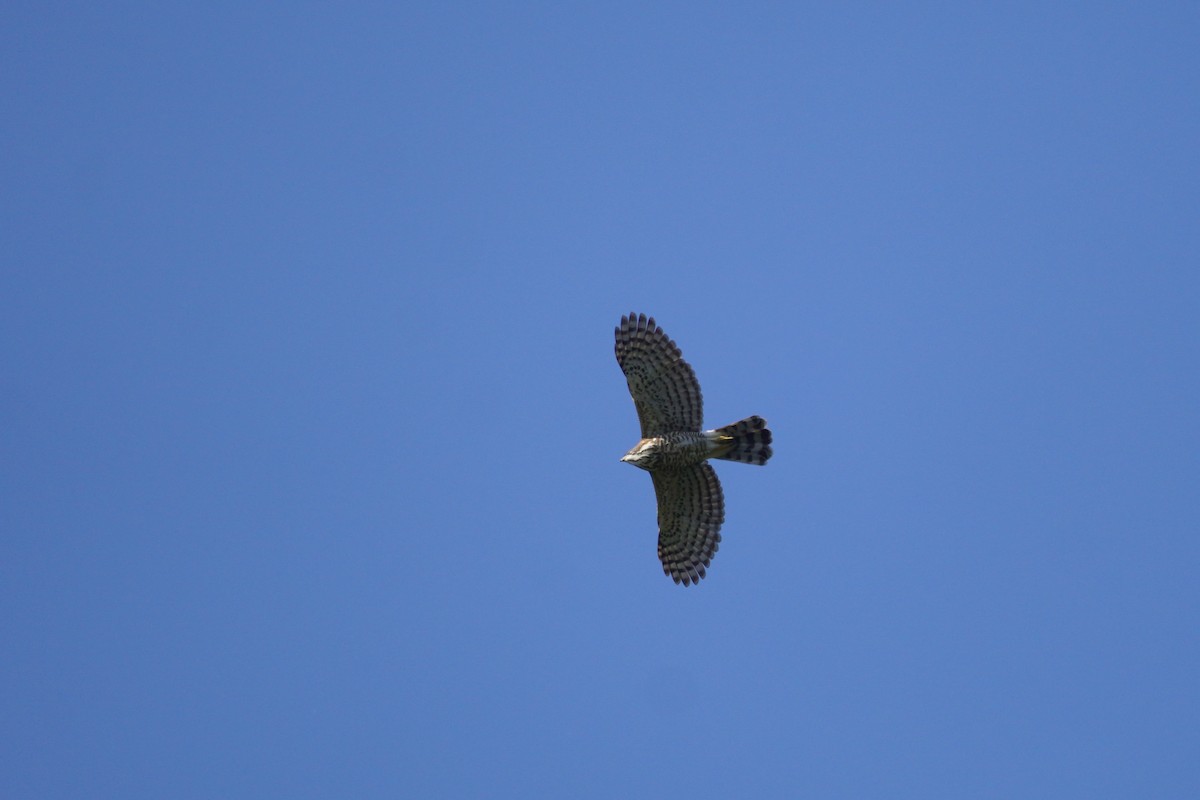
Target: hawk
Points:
(674, 449)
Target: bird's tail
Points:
(747, 441)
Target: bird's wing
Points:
(663, 385)
(691, 509)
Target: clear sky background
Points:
(311, 421)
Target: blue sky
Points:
(310, 483)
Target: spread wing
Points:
(691, 509)
(663, 385)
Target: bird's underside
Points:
(674, 448)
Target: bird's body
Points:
(674, 449)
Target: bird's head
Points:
(643, 455)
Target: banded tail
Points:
(747, 441)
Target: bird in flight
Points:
(675, 449)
